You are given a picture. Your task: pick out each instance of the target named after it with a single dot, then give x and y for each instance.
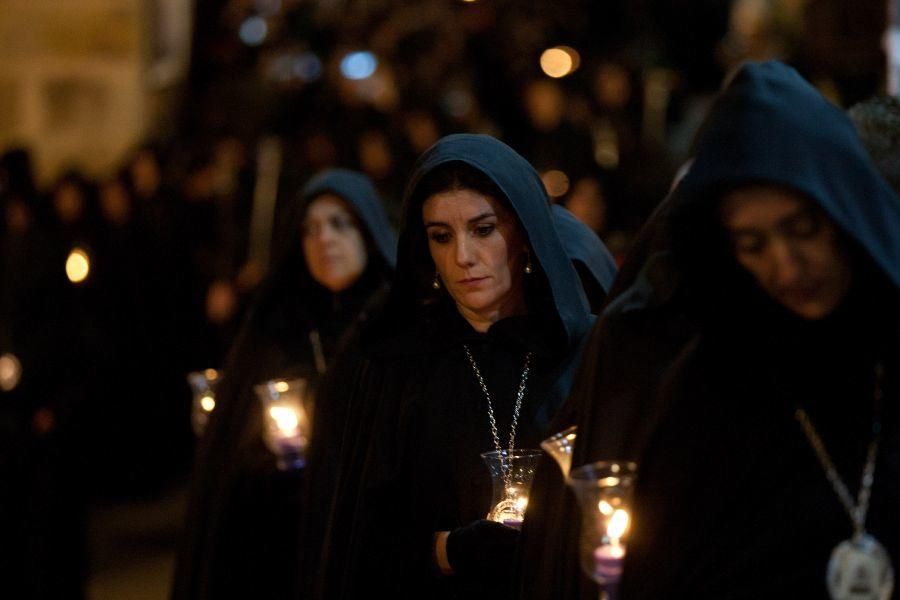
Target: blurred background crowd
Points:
(149, 146)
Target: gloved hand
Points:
(481, 548)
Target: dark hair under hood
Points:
(525, 194)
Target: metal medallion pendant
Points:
(860, 569)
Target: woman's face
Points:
(790, 247)
(479, 252)
(333, 245)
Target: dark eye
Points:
(805, 225)
(748, 243)
(484, 229)
(439, 237)
(341, 223)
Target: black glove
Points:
(482, 548)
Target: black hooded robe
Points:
(243, 523)
(695, 373)
(417, 421)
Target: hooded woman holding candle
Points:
(474, 351)
(751, 369)
(242, 530)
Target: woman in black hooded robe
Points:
(241, 538)
(755, 369)
(412, 491)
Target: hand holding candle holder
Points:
(287, 407)
(603, 490)
(560, 446)
(512, 472)
(204, 402)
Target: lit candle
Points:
(609, 558)
(287, 435)
(511, 511)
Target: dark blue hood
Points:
(357, 190)
(584, 246)
(770, 125)
(525, 193)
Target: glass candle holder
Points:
(204, 397)
(560, 447)
(603, 490)
(512, 472)
(286, 416)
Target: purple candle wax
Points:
(608, 560)
(514, 523)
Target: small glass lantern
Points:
(203, 388)
(286, 420)
(512, 472)
(560, 447)
(603, 490)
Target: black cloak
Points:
(242, 529)
(695, 373)
(552, 514)
(417, 421)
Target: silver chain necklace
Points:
(859, 567)
(487, 394)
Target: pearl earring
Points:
(436, 282)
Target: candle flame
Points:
(282, 386)
(207, 403)
(285, 418)
(522, 503)
(618, 524)
(211, 373)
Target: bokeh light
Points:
(556, 182)
(253, 31)
(10, 372)
(78, 265)
(307, 67)
(358, 65)
(560, 61)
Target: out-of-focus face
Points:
(333, 245)
(479, 252)
(790, 247)
(115, 204)
(68, 202)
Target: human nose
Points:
(464, 254)
(788, 262)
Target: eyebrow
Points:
(475, 219)
(785, 221)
